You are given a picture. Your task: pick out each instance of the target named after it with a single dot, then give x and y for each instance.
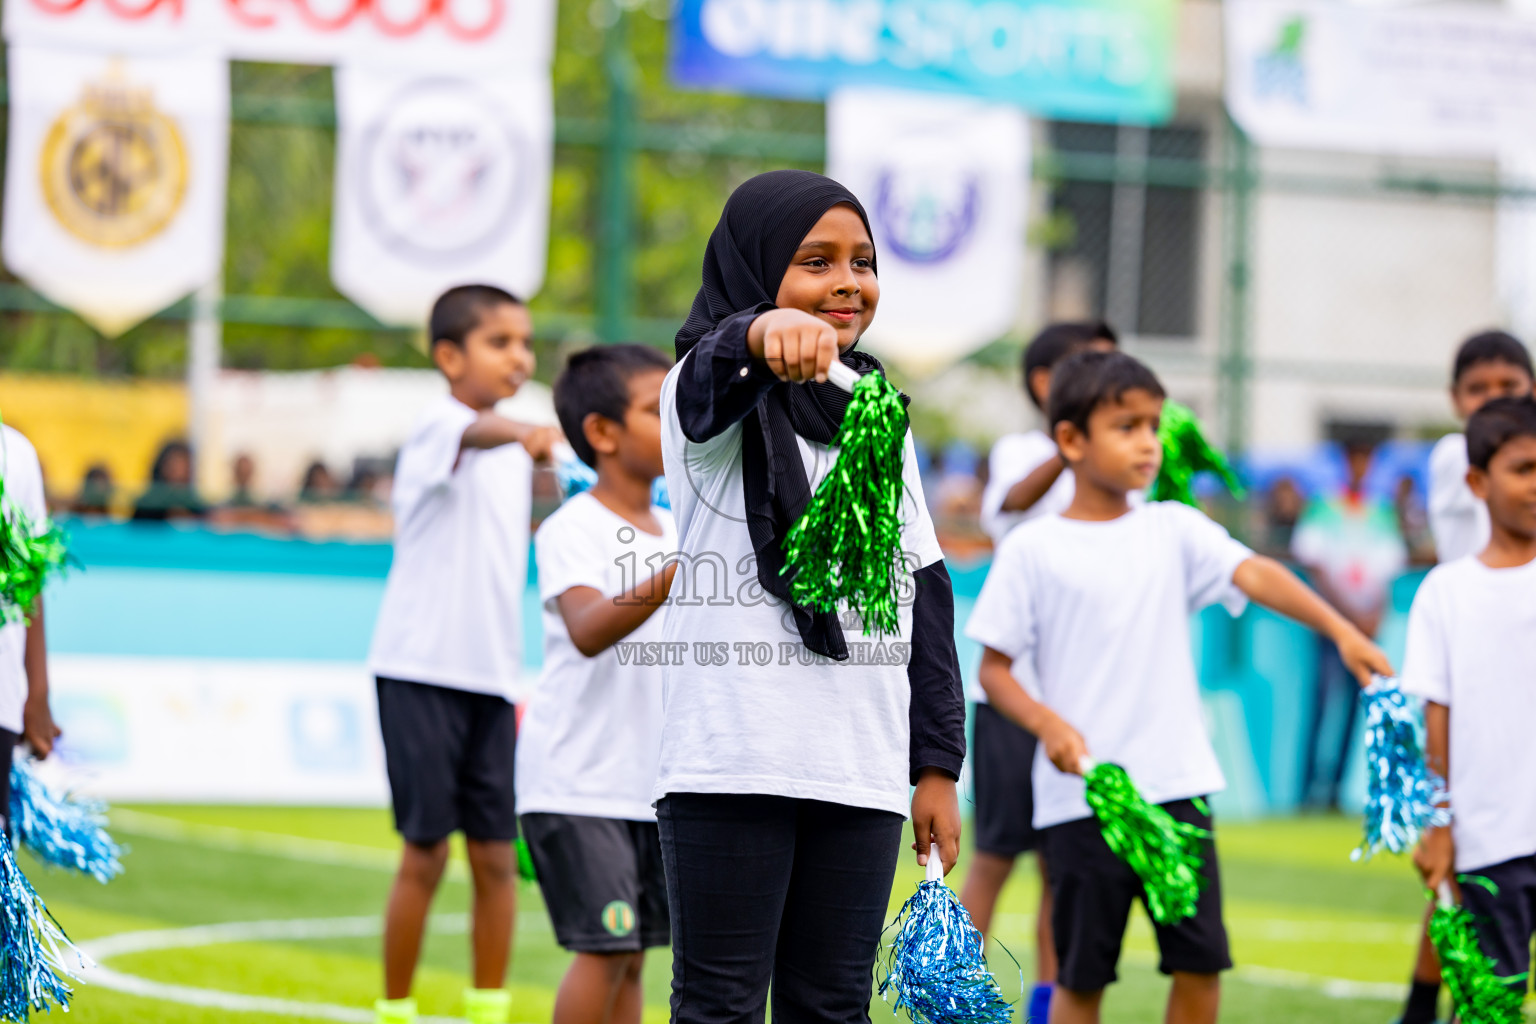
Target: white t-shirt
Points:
(591, 735)
(749, 709)
(1457, 519)
(24, 487)
(1013, 458)
(1472, 647)
(1100, 611)
(452, 609)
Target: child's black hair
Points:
(597, 380)
(1086, 380)
(1496, 424)
(1491, 347)
(458, 310)
(1057, 341)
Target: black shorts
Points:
(449, 754)
(1094, 890)
(1002, 780)
(8, 741)
(1506, 921)
(602, 881)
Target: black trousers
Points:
(771, 890)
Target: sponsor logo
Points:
(1281, 72)
(442, 172)
(925, 215)
(114, 168)
(619, 918)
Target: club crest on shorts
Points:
(442, 173)
(114, 167)
(619, 918)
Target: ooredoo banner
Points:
(945, 181)
(505, 34)
(440, 180)
(114, 178)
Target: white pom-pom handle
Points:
(843, 375)
(935, 864)
(1085, 764)
(1446, 898)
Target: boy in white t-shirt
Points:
(1489, 365)
(591, 734)
(446, 648)
(24, 712)
(1095, 602)
(1471, 648)
(1026, 478)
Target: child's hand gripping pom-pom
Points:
(935, 964)
(60, 829)
(846, 548)
(1479, 995)
(1165, 853)
(1185, 453)
(1403, 796)
(29, 554)
(37, 960)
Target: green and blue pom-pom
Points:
(1166, 854)
(1403, 797)
(37, 960)
(935, 966)
(30, 553)
(60, 829)
(1479, 993)
(1186, 452)
(576, 476)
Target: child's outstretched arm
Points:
(1064, 745)
(1277, 588)
(1435, 856)
(492, 431)
(1023, 496)
(596, 623)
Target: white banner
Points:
(182, 730)
(1516, 238)
(451, 34)
(1450, 79)
(115, 174)
(439, 181)
(945, 181)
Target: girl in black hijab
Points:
(790, 741)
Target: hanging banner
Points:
(439, 181)
(1092, 60)
(458, 34)
(114, 183)
(1452, 80)
(945, 181)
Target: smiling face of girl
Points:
(832, 275)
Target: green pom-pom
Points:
(1164, 852)
(29, 554)
(846, 548)
(524, 860)
(1479, 995)
(1185, 453)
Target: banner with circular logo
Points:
(945, 181)
(115, 179)
(440, 180)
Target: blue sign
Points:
(1096, 60)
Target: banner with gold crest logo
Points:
(115, 178)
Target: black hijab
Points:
(762, 225)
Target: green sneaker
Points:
(394, 1011)
(487, 1006)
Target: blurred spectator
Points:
(1413, 521)
(319, 486)
(171, 494)
(243, 510)
(95, 497)
(1283, 505)
(244, 472)
(370, 481)
(1353, 549)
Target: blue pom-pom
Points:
(576, 476)
(60, 829)
(1402, 794)
(37, 960)
(935, 964)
